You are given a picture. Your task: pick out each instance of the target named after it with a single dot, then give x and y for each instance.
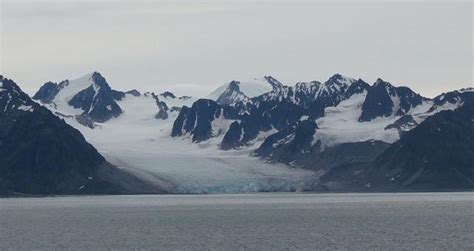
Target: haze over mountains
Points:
(342, 134)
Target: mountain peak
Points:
(10, 87)
(95, 74)
(236, 91)
(168, 94)
(335, 77)
(273, 82)
(12, 97)
(339, 79)
(381, 82)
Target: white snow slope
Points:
(340, 124)
(69, 91)
(250, 89)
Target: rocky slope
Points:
(437, 154)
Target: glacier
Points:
(141, 144)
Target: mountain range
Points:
(342, 134)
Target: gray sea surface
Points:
(396, 221)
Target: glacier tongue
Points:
(137, 142)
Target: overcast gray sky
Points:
(191, 47)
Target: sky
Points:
(192, 47)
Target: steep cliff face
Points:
(384, 100)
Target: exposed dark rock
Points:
(276, 85)
(184, 123)
(197, 120)
(290, 143)
(453, 98)
(379, 103)
(403, 124)
(232, 94)
(162, 114)
(118, 95)
(85, 120)
(437, 154)
(134, 92)
(357, 87)
(232, 138)
(97, 101)
(47, 92)
(168, 95)
(163, 108)
(63, 115)
(185, 97)
(343, 155)
(175, 109)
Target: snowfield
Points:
(340, 124)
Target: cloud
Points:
(156, 44)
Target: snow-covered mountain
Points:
(89, 98)
(242, 91)
(207, 145)
(345, 110)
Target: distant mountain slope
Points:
(203, 120)
(384, 100)
(90, 96)
(240, 91)
(437, 154)
(41, 154)
(346, 109)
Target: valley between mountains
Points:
(81, 136)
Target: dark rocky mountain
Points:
(232, 94)
(437, 154)
(284, 106)
(237, 91)
(134, 93)
(403, 124)
(276, 85)
(94, 97)
(167, 95)
(162, 107)
(48, 92)
(261, 117)
(452, 98)
(197, 120)
(380, 101)
(313, 94)
(293, 146)
(356, 87)
(289, 144)
(41, 154)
